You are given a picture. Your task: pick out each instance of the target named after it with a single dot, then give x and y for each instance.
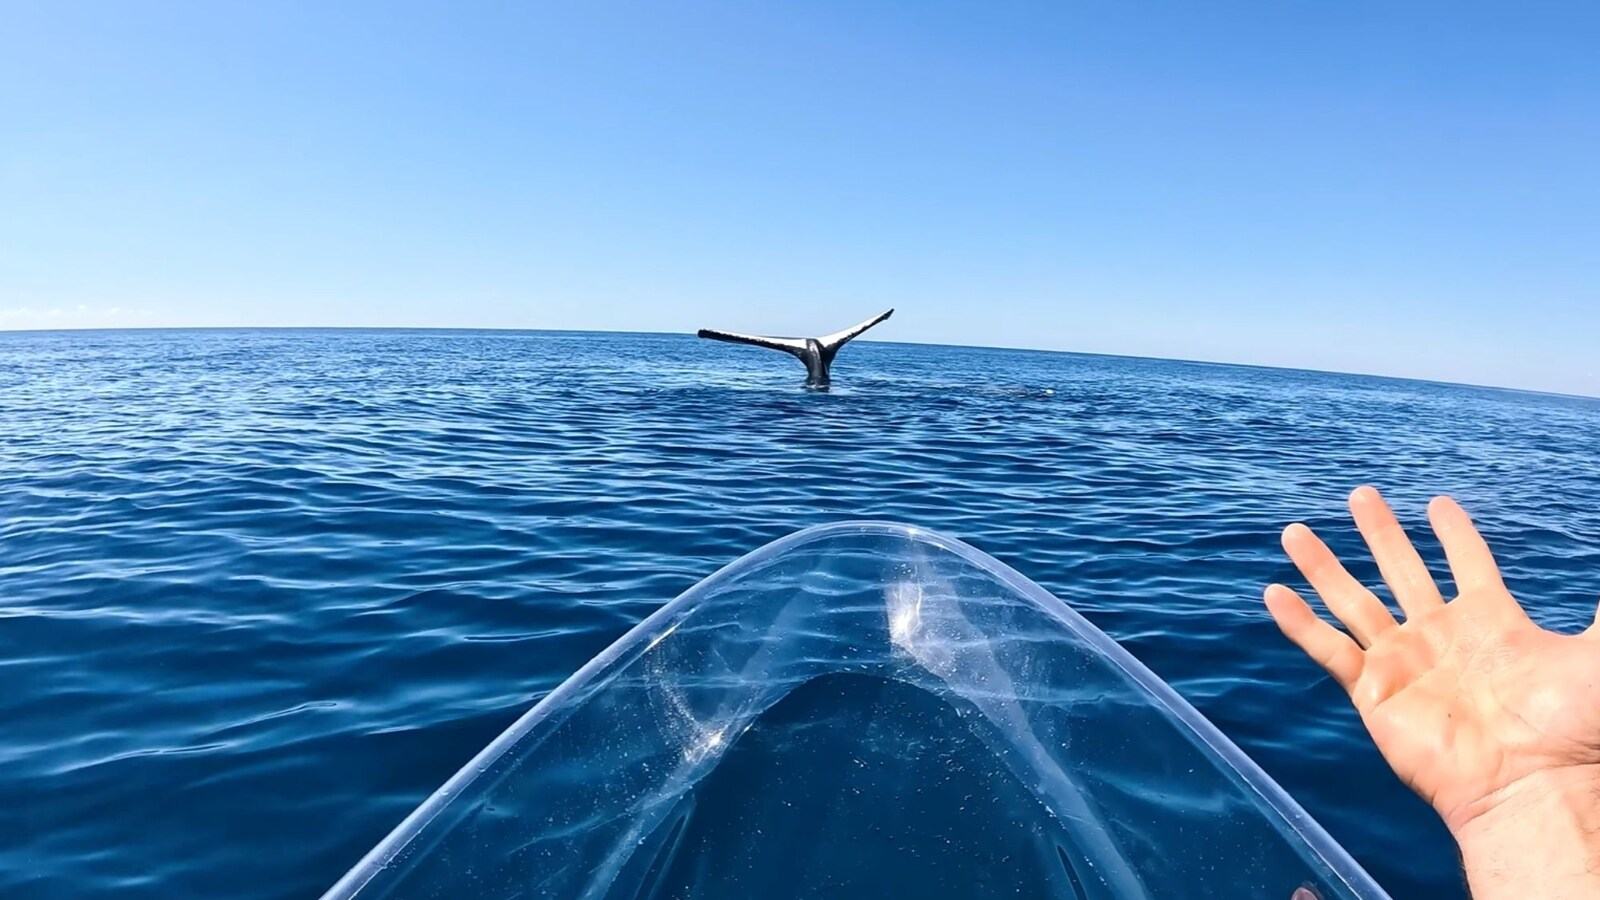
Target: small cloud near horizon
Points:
(79, 315)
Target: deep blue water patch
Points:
(262, 591)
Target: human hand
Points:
(1492, 719)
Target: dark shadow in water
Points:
(855, 786)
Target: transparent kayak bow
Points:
(860, 710)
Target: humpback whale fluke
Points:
(817, 353)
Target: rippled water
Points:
(262, 591)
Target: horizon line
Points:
(1129, 356)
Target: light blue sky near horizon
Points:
(1401, 189)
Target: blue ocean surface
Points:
(262, 591)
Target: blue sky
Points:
(1349, 186)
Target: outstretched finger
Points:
(1331, 648)
(1471, 563)
(1402, 567)
(1358, 608)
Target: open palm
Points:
(1465, 699)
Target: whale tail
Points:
(817, 353)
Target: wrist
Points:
(1537, 837)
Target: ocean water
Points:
(262, 591)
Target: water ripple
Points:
(260, 592)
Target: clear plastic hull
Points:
(860, 710)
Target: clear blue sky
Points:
(1348, 186)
